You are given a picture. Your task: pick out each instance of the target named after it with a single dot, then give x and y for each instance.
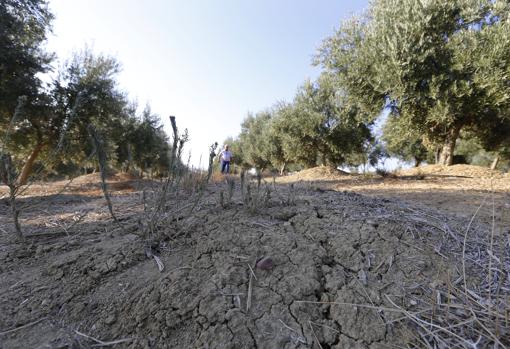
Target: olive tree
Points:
(441, 65)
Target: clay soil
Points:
(347, 253)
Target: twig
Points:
(22, 327)
(180, 268)
(98, 144)
(101, 343)
(107, 344)
(314, 335)
(355, 305)
(160, 264)
(491, 244)
(287, 327)
(496, 340)
(248, 298)
(252, 272)
(16, 284)
(423, 324)
(464, 243)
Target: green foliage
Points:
(442, 65)
(297, 137)
(47, 126)
(321, 126)
(23, 30)
(279, 157)
(377, 154)
(475, 154)
(259, 144)
(85, 92)
(318, 127)
(403, 141)
(24, 105)
(254, 140)
(148, 143)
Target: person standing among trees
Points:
(225, 157)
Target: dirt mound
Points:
(468, 171)
(342, 266)
(315, 174)
(95, 178)
(89, 184)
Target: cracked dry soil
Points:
(329, 247)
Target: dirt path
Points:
(458, 190)
(339, 265)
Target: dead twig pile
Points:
(467, 305)
(471, 308)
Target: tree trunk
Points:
(142, 169)
(417, 162)
(130, 157)
(495, 162)
(446, 157)
(27, 168)
(282, 169)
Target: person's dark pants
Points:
(225, 166)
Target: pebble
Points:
(39, 251)
(110, 319)
(59, 274)
(265, 263)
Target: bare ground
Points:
(345, 267)
(458, 189)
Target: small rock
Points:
(362, 276)
(59, 274)
(372, 223)
(22, 254)
(201, 319)
(265, 263)
(79, 307)
(102, 267)
(74, 243)
(39, 251)
(94, 274)
(110, 319)
(111, 264)
(237, 302)
(232, 313)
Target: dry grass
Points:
(457, 189)
(468, 306)
(471, 310)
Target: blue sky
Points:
(206, 62)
